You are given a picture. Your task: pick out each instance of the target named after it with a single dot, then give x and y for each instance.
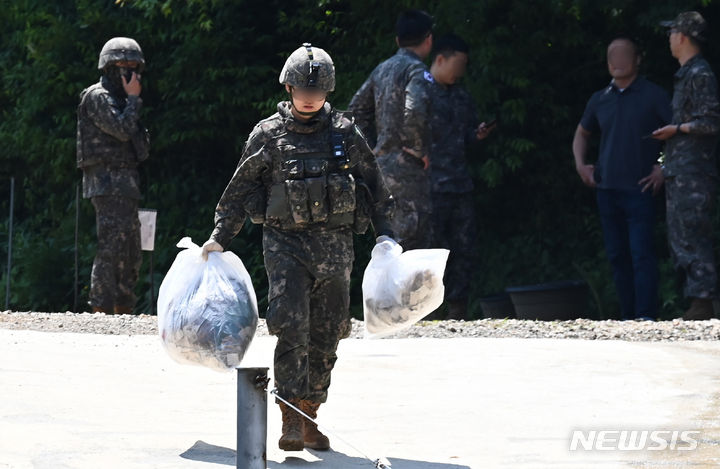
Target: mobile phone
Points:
(128, 73)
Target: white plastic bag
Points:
(400, 288)
(207, 311)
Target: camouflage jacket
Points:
(454, 123)
(110, 142)
(392, 106)
(695, 102)
(296, 176)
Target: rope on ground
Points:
(380, 463)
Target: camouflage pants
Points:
(690, 201)
(308, 306)
(409, 185)
(455, 229)
(117, 261)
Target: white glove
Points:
(209, 247)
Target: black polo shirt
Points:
(623, 118)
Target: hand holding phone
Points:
(485, 128)
(132, 86)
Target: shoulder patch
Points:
(428, 76)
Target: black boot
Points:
(457, 310)
(700, 310)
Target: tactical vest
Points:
(96, 147)
(311, 185)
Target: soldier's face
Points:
(452, 68)
(622, 59)
(127, 63)
(307, 100)
(675, 38)
(127, 68)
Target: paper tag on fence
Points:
(147, 218)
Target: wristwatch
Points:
(677, 129)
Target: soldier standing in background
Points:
(308, 175)
(392, 108)
(110, 145)
(454, 124)
(690, 166)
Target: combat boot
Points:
(700, 309)
(457, 310)
(122, 310)
(292, 427)
(314, 439)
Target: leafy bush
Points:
(212, 74)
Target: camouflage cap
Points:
(690, 23)
(309, 67)
(121, 48)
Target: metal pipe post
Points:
(252, 418)
(77, 222)
(153, 306)
(10, 234)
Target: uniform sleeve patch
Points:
(428, 76)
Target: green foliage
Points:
(212, 74)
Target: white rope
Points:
(378, 463)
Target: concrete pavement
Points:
(96, 401)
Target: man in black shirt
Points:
(627, 174)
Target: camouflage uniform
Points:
(392, 108)
(454, 124)
(110, 144)
(311, 185)
(691, 176)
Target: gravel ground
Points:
(676, 330)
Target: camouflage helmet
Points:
(309, 67)
(690, 23)
(121, 48)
